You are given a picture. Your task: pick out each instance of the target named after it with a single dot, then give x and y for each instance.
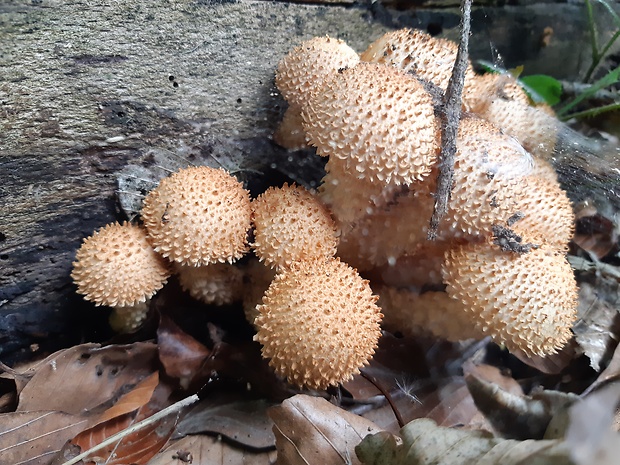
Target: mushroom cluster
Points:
(496, 269)
(500, 249)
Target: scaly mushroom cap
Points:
(499, 98)
(290, 133)
(436, 312)
(117, 266)
(525, 301)
(198, 216)
(318, 323)
(303, 70)
(489, 169)
(415, 51)
(547, 211)
(378, 120)
(350, 198)
(216, 284)
(290, 224)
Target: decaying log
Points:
(89, 87)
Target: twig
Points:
(387, 396)
(133, 428)
(450, 117)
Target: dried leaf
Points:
(203, 450)
(134, 448)
(310, 430)
(181, 355)
(517, 416)
(611, 374)
(422, 442)
(83, 377)
(33, 438)
(590, 436)
(594, 329)
(133, 400)
(550, 364)
(245, 422)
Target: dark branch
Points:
(450, 117)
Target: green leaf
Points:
(609, 79)
(542, 88)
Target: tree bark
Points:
(92, 89)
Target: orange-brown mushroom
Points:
(318, 323)
(415, 51)
(215, 284)
(379, 121)
(291, 224)
(117, 267)
(526, 301)
(198, 216)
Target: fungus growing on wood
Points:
(300, 74)
(117, 267)
(290, 224)
(379, 121)
(305, 68)
(318, 323)
(415, 51)
(489, 170)
(198, 216)
(215, 284)
(526, 301)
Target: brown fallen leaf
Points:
(83, 377)
(447, 401)
(590, 436)
(181, 355)
(33, 438)
(242, 421)
(611, 374)
(311, 431)
(517, 416)
(202, 450)
(136, 447)
(595, 330)
(133, 400)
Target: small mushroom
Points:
(318, 323)
(489, 170)
(117, 267)
(414, 313)
(500, 99)
(300, 74)
(291, 224)
(215, 284)
(305, 68)
(198, 216)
